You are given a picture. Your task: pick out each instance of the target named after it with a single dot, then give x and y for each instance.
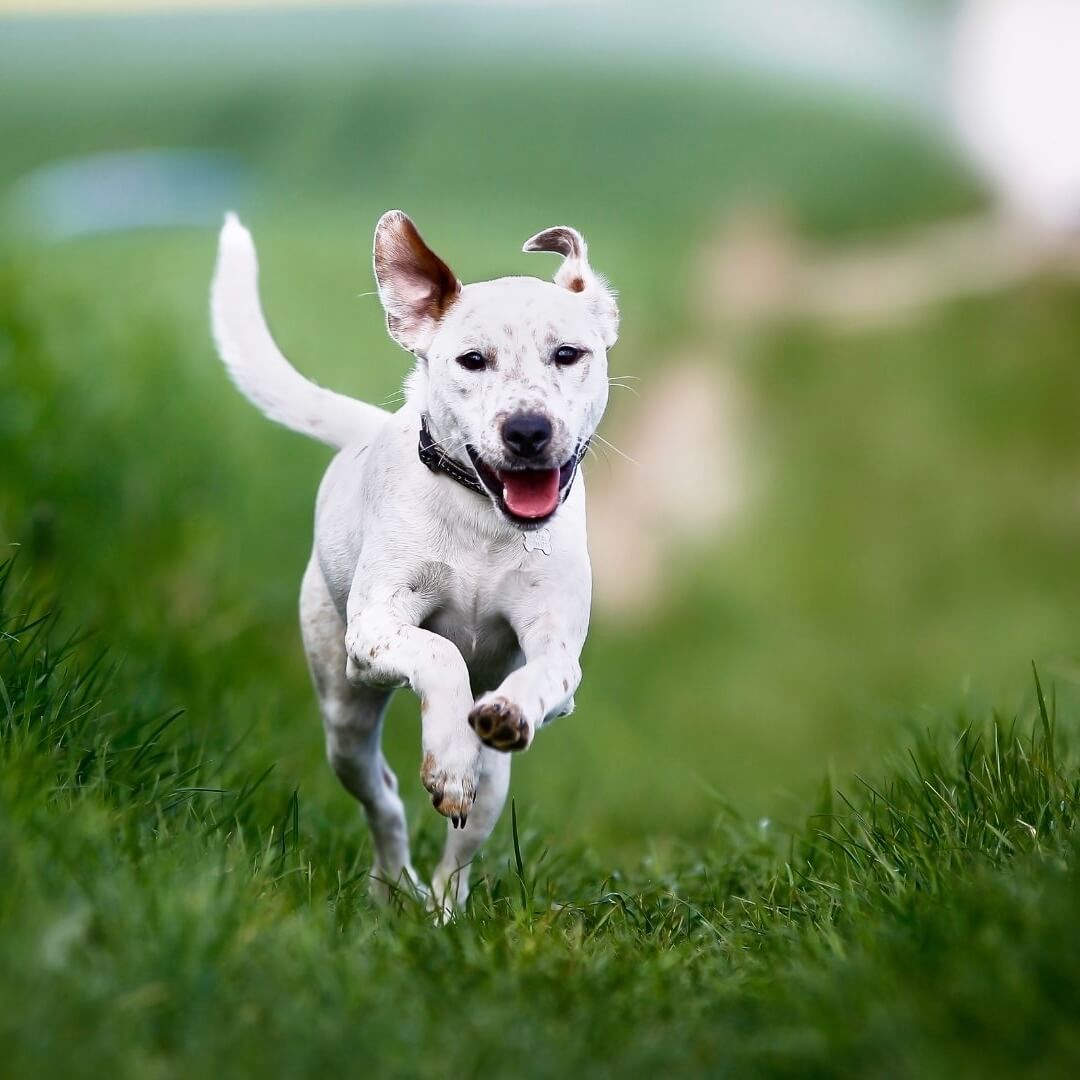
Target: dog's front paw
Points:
(452, 790)
(500, 724)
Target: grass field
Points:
(687, 889)
(166, 913)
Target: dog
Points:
(450, 550)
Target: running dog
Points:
(449, 552)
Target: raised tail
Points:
(256, 364)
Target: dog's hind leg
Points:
(352, 720)
(450, 884)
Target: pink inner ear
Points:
(414, 280)
(414, 291)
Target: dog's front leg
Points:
(386, 650)
(508, 717)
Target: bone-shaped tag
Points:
(538, 540)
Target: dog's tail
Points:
(257, 366)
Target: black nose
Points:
(527, 434)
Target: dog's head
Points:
(514, 370)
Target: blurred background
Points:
(846, 236)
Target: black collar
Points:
(439, 461)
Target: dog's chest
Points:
(471, 612)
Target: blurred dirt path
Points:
(680, 481)
(756, 271)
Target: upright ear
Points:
(415, 286)
(578, 276)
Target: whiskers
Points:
(454, 451)
(623, 383)
(611, 446)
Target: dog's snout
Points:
(527, 435)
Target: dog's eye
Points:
(568, 354)
(472, 361)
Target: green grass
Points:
(166, 913)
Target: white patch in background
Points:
(1016, 101)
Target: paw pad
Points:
(500, 724)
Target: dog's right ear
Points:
(415, 286)
(578, 276)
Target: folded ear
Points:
(578, 276)
(415, 286)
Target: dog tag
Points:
(538, 540)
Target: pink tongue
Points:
(532, 493)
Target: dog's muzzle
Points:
(527, 496)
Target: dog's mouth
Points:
(528, 496)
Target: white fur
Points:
(415, 580)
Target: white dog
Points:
(449, 550)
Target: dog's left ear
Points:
(578, 276)
(415, 286)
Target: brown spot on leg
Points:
(427, 775)
(451, 795)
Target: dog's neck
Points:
(439, 461)
(430, 449)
